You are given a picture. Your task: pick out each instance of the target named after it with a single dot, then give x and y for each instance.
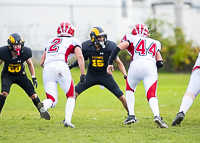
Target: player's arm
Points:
(114, 53)
(81, 63)
(32, 71)
(159, 60)
(43, 58)
(75, 64)
(121, 66)
(1, 61)
(31, 66)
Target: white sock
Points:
(47, 104)
(186, 103)
(130, 99)
(153, 103)
(69, 109)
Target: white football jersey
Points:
(60, 49)
(142, 47)
(198, 58)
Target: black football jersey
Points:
(14, 66)
(98, 60)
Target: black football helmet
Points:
(15, 39)
(97, 32)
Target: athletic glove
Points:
(125, 76)
(70, 67)
(34, 81)
(82, 79)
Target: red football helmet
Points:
(140, 29)
(65, 29)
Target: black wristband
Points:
(159, 64)
(113, 55)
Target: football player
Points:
(54, 60)
(145, 57)
(192, 91)
(13, 56)
(98, 50)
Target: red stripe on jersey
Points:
(152, 91)
(50, 97)
(197, 67)
(70, 93)
(128, 87)
(131, 49)
(70, 50)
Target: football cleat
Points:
(43, 113)
(130, 119)
(159, 121)
(63, 121)
(69, 124)
(179, 118)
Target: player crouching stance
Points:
(145, 57)
(13, 56)
(56, 70)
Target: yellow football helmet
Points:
(96, 33)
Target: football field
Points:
(99, 115)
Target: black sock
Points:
(2, 101)
(36, 101)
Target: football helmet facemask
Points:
(141, 29)
(65, 29)
(96, 33)
(16, 39)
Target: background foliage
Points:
(179, 55)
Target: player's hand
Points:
(35, 82)
(125, 76)
(70, 67)
(110, 68)
(82, 79)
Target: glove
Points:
(70, 67)
(82, 79)
(125, 76)
(34, 82)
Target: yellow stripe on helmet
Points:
(12, 39)
(96, 31)
(22, 39)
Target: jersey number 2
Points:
(54, 47)
(142, 50)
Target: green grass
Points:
(99, 115)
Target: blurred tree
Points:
(179, 55)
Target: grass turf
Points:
(99, 115)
